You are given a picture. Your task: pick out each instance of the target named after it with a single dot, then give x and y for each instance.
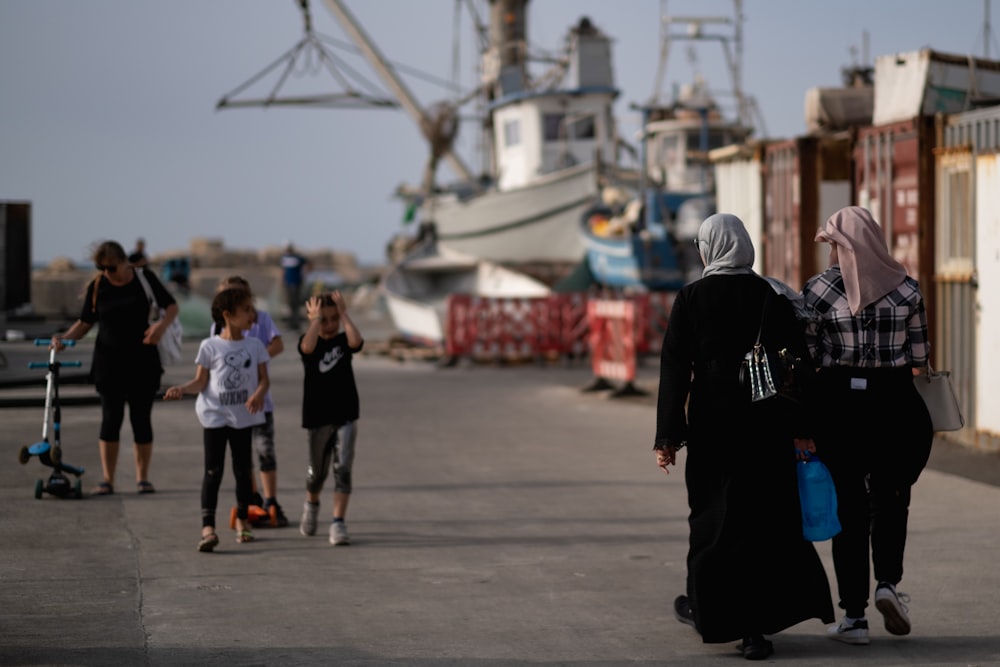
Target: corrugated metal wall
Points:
(953, 339)
(806, 180)
(987, 262)
(966, 267)
(739, 190)
(894, 177)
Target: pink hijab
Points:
(869, 270)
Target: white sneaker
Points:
(307, 526)
(890, 603)
(338, 534)
(850, 633)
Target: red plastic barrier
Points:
(612, 338)
(494, 328)
(559, 324)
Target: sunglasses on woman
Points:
(107, 267)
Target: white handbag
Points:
(170, 343)
(939, 396)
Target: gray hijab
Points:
(725, 245)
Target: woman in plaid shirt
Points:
(868, 335)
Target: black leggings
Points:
(140, 409)
(215, 464)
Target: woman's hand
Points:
(154, 332)
(665, 458)
(804, 448)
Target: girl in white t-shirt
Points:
(231, 382)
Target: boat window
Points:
(554, 128)
(559, 127)
(716, 139)
(512, 133)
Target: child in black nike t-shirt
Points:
(330, 408)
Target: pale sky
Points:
(108, 122)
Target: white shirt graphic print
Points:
(232, 378)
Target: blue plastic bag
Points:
(818, 498)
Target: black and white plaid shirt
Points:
(890, 333)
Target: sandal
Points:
(245, 535)
(146, 487)
(102, 489)
(208, 542)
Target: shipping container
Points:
(894, 179)
(928, 82)
(806, 180)
(986, 422)
(739, 189)
(967, 330)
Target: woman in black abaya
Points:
(750, 571)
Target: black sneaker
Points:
(682, 610)
(755, 647)
(280, 516)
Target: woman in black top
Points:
(126, 364)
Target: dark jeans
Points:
(293, 294)
(875, 441)
(215, 464)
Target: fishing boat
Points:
(642, 241)
(547, 138)
(416, 289)
(549, 141)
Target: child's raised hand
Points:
(314, 307)
(173, 394)
(338, 299)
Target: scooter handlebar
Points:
(45, 364)
(46, 341)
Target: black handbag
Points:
(764, 375)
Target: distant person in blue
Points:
(138, 256)
(293, 267)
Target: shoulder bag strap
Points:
(145, 285)
(762, 313)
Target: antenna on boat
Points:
(309, 53)
(732, 48)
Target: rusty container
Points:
(894, 179)
(806, 179)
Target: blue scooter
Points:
(50, 453)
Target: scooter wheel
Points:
(24, 455)
(39, 487)
(78, 489)
(56, 454)
(232, 519)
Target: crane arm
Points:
(389, 78)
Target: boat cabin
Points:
(540, 131)
(679, 137)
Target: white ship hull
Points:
(416, 290)
(535, 223)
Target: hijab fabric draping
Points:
(869, 270)
(725, 245)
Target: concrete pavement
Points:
(500, 516)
